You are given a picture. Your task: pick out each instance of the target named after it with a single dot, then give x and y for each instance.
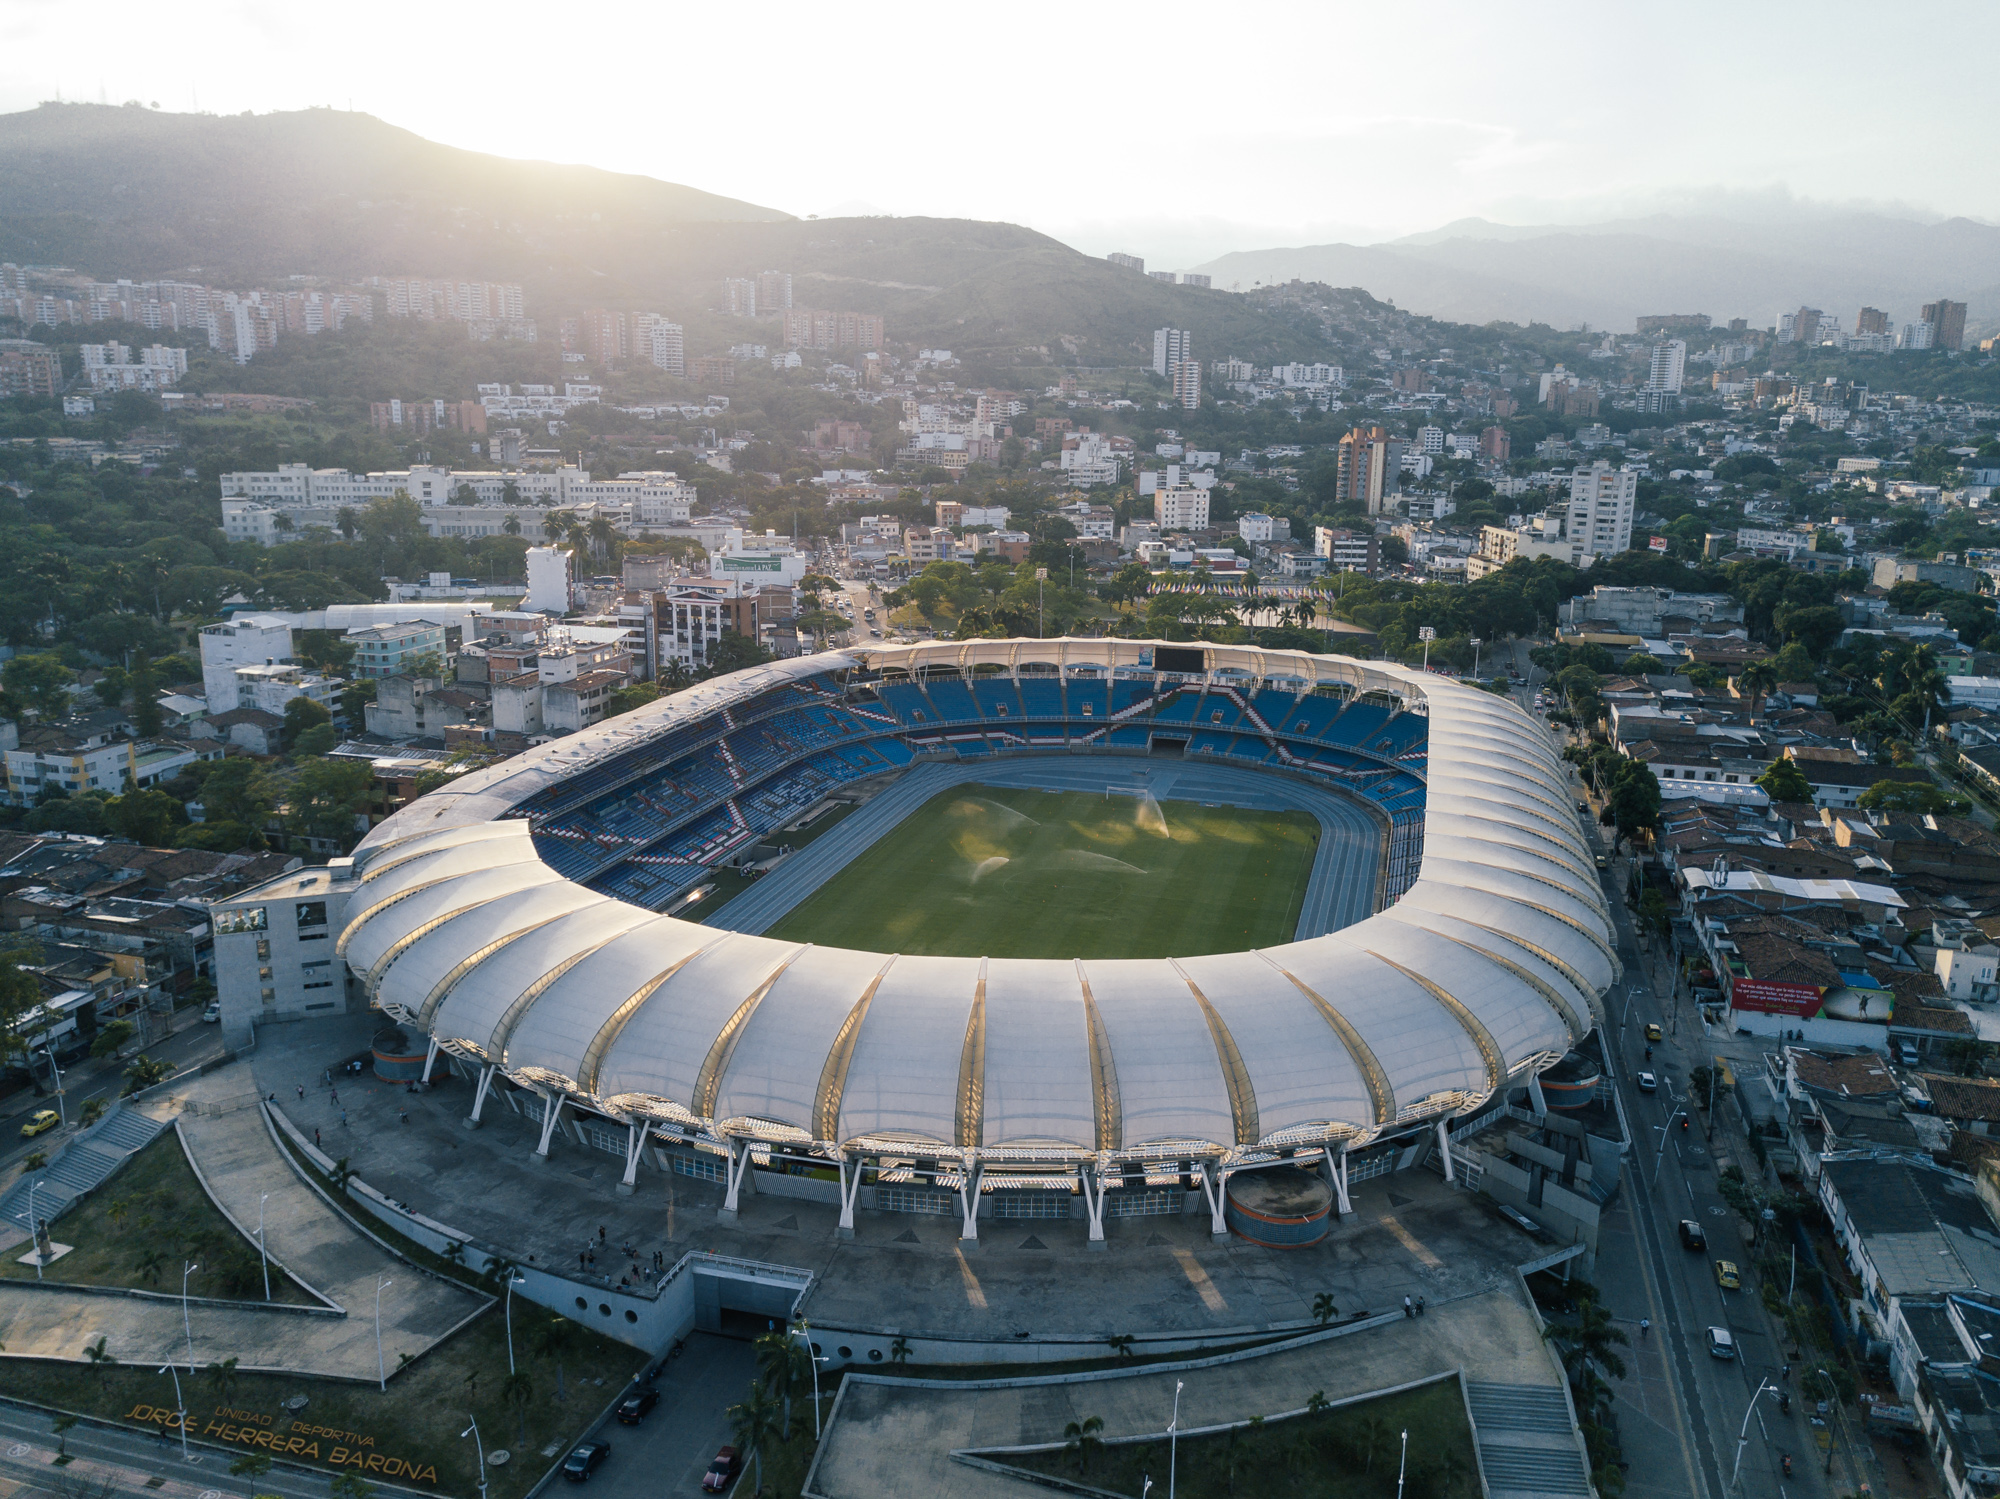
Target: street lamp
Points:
(1666, 1134)
(1743, 1436)
(33, 1236)
(801, 1329)
(381, 1371)
(1475, 642)
(514, 1278)
(1426, 634)
(62, 1110)
(188, 1268)
(262, 1257)
(1174, 1440)
(180, 1408)
(479, 1445)
(1041, 577)
(1403, 1463)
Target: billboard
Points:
(752, 564)
(1801, 1001)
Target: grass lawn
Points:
(133, 1230)
(1348, 1453)
(417, 1421)
(986, 871)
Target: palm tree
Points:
(511, 525)
(1757, 679)
(151, 1263)
(899, 1351)
(61, 1427)
(1585, 1345)
(1081, 1437)
(223, 1377)
(1368, 1435)
(101, 1361)
(517, 1391)
(1121, 1344)
(754, 1422)
(1324, 1311)
(782, 1364)
(143, 1073)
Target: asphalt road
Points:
(664, 1456)
(191, 1044)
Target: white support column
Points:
(1093, 1206)
(850, 1190)
(1444, 1148)
(736, 1171)
(479, 1096)
(551, 1112)
(635, 1141)
(430, 1059)
(1337, 1164)
(1536, 1099)
(1211, 1190)
(975, 1173)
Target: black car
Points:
(632, 1409)
(584, 1460)
(1691, 1235)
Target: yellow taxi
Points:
(1726, 1276)
(38, 1122)
(1653, 1033)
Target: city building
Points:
(246, 640)
(1180, 507)
(112, 367)
(1500, 545)
(1129, 262)
(739, 297)
(774, 290)
(1601, 499)
(1170, 347)
(712, 369)
(1368, 468)
(1668, 363)
(1195, 278)
(660, 343)
(1496, 445)
(1872, 320)
(1430, 440)
(1187, 384)
(814, 328)
(1254, 527)
(389, 650)
(1947, 320)
(427, 416)
(1348, 551)
(28, 369)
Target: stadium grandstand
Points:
(515, 919)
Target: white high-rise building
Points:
(246, 640)
(1917, 335)
(1600, 508)
(661, 342)
(1669, 362)
(1180, 507)
(1430, 439)
(549, 581)
(1171, 346)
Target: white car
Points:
(213, 1013)
(1648, 1083)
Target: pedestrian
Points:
(302, 1092)
(1408, 1309)
(405, 1113)
(600, 1234)
(336, 1095)
(1645, 1326)
(315, 1139)
(343, 1119)
(1420, 1306)
(582, 1260)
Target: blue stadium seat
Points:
(1042, 698)
(907, 701)
(997, 698)
(1128, 736)
(1093, 696)
(953, 701)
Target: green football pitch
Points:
(1001, 872)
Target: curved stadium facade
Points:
(515, 919)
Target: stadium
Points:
(1090, 925)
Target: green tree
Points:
(1785, 782)
(633, 695)
(238, 790)
(320, 739)
(1755, 681)
(110, 1037)
(733, 652)
(144, 1072)
(41, 681)
(148, 818)
(302, 713)
(754, 1422)
(326, 797)
(1917, 797)
(1324, 1311)
(517, 1392)
(1083, 1438)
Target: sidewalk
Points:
(235, 1154)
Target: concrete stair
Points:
(81, 1165)
(1529, 1446)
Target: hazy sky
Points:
(1173, 131)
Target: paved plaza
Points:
(1411, 1234)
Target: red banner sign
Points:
(1657, 544)
(1800, 1000)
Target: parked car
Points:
(1692, 1236)
(721, 1471)
(1648, 1083)
(632, 1409)
(39, 1122)
(1726, 1276)
(585, 1459)
(1720, 1343)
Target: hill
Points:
(138, 192)
(1609, 273)
(249, 199)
